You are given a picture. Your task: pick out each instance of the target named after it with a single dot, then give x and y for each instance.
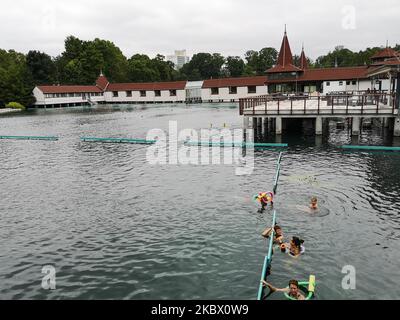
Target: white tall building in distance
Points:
(179, 58)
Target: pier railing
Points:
(344, 104)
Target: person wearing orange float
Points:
(264, 198)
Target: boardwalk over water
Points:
(354, 106)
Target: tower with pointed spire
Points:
(285, 59)
(303, 59)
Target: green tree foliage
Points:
(143, 69)
(41, 67)
(82, 61)
(260, 61)
(203, 66)
(234, 66)
(346, 58)
(16, 83)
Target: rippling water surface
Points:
(116, 227)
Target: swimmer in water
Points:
(278, 235)
(314, 203)
(264, 198)
(293, 291)
(295, 248)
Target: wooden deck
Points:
(380, 105)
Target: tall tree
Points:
(235, 66)
(16, 81)
(41, 67)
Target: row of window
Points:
(354, 82)
(157, 93)
(143, 93)
(233, 90)
(70, 95)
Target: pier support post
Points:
(355, 129)
(396, 131)
(278, 125)
(318, 126)
(386, 122)
(245, 122)
(254, 123)
(266, 125)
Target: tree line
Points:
(82, 61)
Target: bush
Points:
(15, 105)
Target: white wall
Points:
(38, 94)
(223, 93)
(150, 96)
(41, 98)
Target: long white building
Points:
(283, 78)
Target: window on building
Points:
(251, 89)
(172, 93)
(115, 94)
(142, 93)
(129, 93)
(70, 94)
(214, 90)
(354, 82)
(157, 93)
(328, 83)
(340, 83)
(232, 90)
(347, 82)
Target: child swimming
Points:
(264, 198)
(314, 203)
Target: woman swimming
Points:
(295, 248)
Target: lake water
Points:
(115, 227)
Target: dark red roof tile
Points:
(149, 86)
(68, 89)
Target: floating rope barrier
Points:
(268, 257)
(49, 138)
(236, 144)
(118, 140)
(370, 148)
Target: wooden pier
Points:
(272, 109)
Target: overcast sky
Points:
(229, 27)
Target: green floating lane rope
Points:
(236, 144)
(268, 257)
(370, 148)
(118, 140)
(278, 171)
(48, 138)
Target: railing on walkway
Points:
(344, 104)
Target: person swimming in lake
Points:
(264, 198)
(295, 248)
(314, 203)
(278, 234)
(293, 291)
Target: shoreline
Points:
(8, 110)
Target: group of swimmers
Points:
(294, 248)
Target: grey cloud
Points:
(228, 27)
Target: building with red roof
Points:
(284, 77)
